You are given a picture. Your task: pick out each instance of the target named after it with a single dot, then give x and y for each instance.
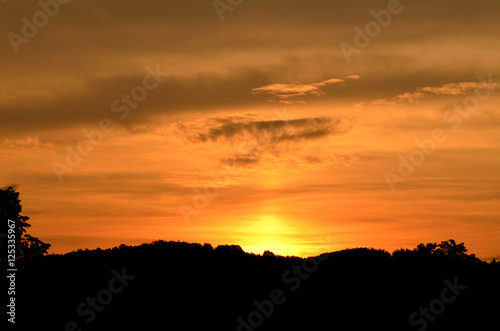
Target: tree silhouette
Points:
(234, 250)
(268, 253)
(427, 249)
(10, 218)
(446, 249)
(451, 249)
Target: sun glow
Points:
(271, 233)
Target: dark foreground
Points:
(180, 286)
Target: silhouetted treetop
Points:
(446, 249)
(230, 250)
(268, 253)
(10, 209)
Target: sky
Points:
(299, 127)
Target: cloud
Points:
(88, 104)
(246, 141)
(410, 97)
(26, 142)
(242, 160)
(245, 147)
(461, 88)
(448, 89)
(287, 93)
(451, 88)
(272, 131)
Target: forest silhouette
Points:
(190, 286)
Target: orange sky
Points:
(256, 130)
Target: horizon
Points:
(255, 253)
(289, 126)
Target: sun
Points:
(269, 232)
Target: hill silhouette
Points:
(182, 286)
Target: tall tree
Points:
(11, 218)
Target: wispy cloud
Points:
(26, 142)
(259, 145)
(271, 131)
(448, 89)
(289, 93)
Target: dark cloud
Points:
(253, 139)
(93, 51)
(242, 160)
(272, 131)
(91, 103)
(312, 159)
